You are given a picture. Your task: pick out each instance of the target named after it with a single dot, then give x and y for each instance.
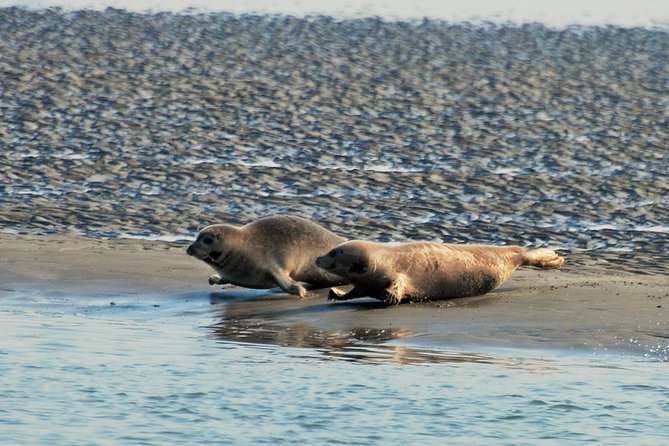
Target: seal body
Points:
(405, 272)
(269, 252)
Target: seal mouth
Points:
(193, 252)
(213, 256)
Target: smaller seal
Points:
(404, 272)
(269, 252)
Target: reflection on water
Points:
(246, 317)
(261, 317)
(266, 332)
(363, 345)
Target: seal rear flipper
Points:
(542, 258)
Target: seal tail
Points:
(542, 258)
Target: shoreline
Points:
(583, 308)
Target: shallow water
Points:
(77, 370)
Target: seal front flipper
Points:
(215, 279)
(397, 291)
(337, 294)
(289, 285)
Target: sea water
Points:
(77, 370)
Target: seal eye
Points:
(207, 240)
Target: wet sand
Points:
(578, 307)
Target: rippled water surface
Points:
(76, 370)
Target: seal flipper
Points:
(290, 286)
(397, 291)
(215, 279)
(337, 294)
(542, 258)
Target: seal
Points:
(404, 272)
(269, 252)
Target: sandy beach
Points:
(583, 308)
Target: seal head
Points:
(209, 245)
(345, 260)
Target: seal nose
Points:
(189, 250)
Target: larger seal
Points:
(405, 272)
(269, 252)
